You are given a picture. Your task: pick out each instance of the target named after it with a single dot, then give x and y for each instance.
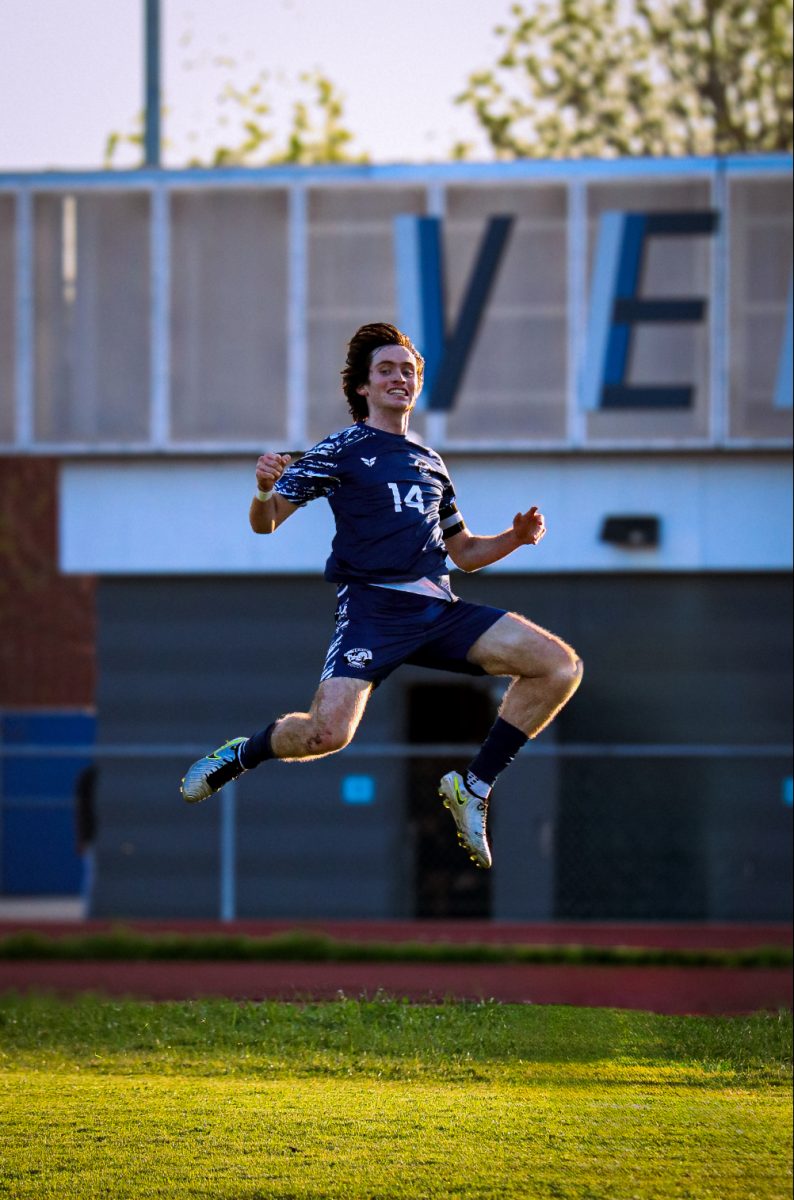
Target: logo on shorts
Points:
(358, 658)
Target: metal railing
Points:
(227, 799)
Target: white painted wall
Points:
(729, 512)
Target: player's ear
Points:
(362, 390)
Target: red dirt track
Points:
(689, 990)
(682, 990)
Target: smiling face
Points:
(370, 343)
(393, 384)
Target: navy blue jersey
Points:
(392, 500)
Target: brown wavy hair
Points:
(360, 349)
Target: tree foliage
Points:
(247, 134)
(318, 133)
(609, 78)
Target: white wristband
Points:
(263, 496)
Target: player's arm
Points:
(268, 509)
(470, 552)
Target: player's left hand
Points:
(529, 527)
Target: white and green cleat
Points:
(210, 773)
(470, 813)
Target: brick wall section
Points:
(47, 620)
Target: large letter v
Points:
(420, 300)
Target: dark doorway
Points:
(446, 884)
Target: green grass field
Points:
(385, 1099)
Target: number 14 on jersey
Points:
(412, 498)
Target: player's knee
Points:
(328, 739)
(565, 671)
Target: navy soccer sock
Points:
(257, 749)
(498, 751)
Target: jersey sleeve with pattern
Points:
(312, 476)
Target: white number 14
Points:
(413, 498)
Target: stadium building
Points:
(609, 340)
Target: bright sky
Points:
(71, 71)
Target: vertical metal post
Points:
(152, 96)
(576, 425)
(160, 317)
(228, 853)
(24, 349)
(297, 307)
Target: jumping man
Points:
(397, 521)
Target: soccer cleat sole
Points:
(473, 857)
(461, 839)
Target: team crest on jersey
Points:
(422, 465)
(369, 462)
(358, 657)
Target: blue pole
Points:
(228, 854)
(152, 99)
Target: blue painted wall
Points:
(38, 854)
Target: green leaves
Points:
(318, 133)
(248, 132)
(591, 78)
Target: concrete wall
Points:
(186, 517)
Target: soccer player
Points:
(397, 521)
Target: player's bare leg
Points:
(328, 726)
(545, 674)
(546, 671)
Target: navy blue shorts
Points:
(377, 630)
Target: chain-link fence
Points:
(579, 831)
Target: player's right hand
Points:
(269, 469)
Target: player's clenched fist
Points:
(269, 469)
(529, 527)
